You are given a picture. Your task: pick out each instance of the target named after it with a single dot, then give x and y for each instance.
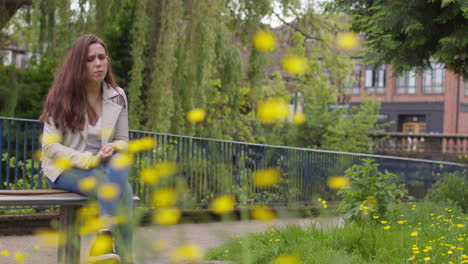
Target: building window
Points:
(356, 88)
(375, 79)
(433, 79)
(406, 83)
(466, 87)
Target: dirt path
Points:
(206, 235)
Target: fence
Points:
(209, 167)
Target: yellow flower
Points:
(347, 41)
(19, 257)
(414, 234)
(167, 216)
(89, 162)
(149, 175)
(412, 257)
(102, 245)
(108, 191)
(37, 155)
(87, 184)
(266, 177)
(5, 253)
(158, 245)
(263, 41)
(299, 118)
(376, 217)
(460, 225)
(147, 143)
(63, 163)
(106, 132)
(187, 252)
(164, 169)
(338, 182)
(196, 115)
(89, 211)
(49, 238)
(450, 252)
(51, 138)
(383, 222)
(91, 225)
(272, 110)
(36, 248)
(294, 65)
(427, 258)
(387, 227)
(402, 222)
(223, 204)
(164, 197)
(135, 146)
(287, 259)
(121, 161)
(262, 213)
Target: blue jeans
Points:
(122, 205)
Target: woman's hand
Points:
(106, 151)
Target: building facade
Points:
(434, 100)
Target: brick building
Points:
(425, 101)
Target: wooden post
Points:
(69, 250)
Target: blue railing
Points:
(209, 167)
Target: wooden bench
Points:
(68, 202)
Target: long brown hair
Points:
(66, 103)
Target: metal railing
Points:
(209, 167)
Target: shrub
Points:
(370, 190)
(451, 188)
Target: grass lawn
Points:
(409, 233)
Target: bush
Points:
(370, 190)
(451, 188)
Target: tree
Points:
(408, 34)
(8, 9)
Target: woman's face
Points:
(97, 63)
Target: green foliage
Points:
(407, 34)
(28, 181)
(370, 190)
(326, 241)
(453, 187)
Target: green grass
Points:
(360, 243)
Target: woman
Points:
(82, 107)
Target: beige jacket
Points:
(72, 145)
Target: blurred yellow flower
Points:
(166, 216)
(287, 259)
(89, 162)
(62, 163)
(272, 110)
(376, 217)
(223, 204)
(402, 222)
(338, 182)
(414, 234)
(159, 245)
(294, 65)
(383, 222)
(460, 225)
(108, 191)
(427, 258)
(37, 155)
(187, 252)
(347, 41)
(387, 227)
(264, 41)
(121, 161)
(92, 225)
(87, 184)
(51, 138)
(196, 115)
(164, 197)
(266, 177)
(164, 169)
(5, 253)
(36, 248)
(149, 175)
(148, 143)
(299, 118)
(262, 213)
(49, 238)
(135, 146)
(19, 257)
(106, 132)
(371, 200)
(89, 211)
(102, 245)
